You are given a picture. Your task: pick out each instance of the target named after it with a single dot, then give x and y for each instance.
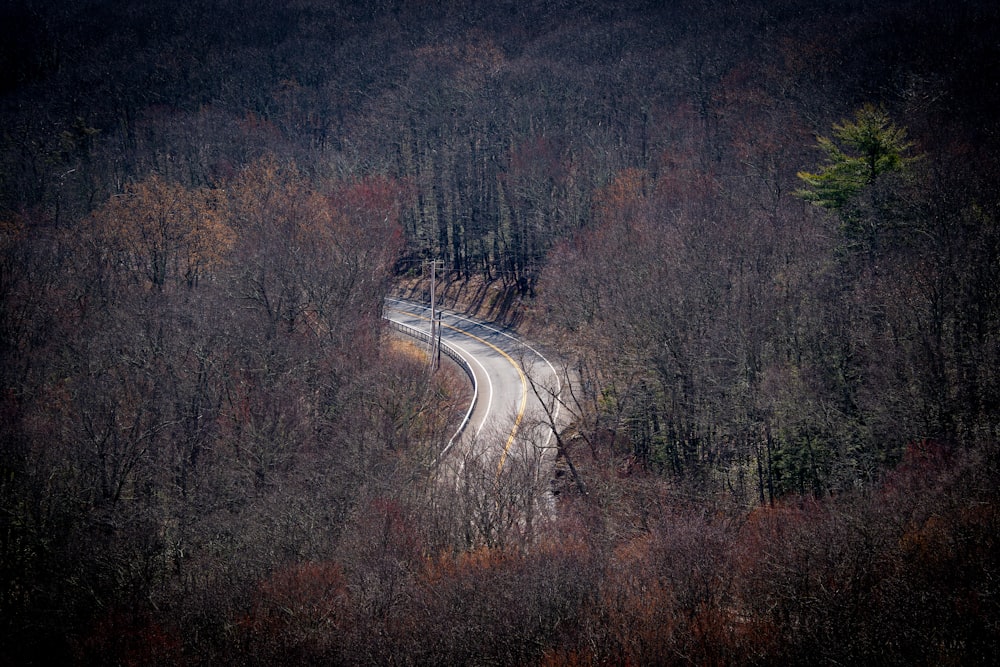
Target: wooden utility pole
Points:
(435, 324)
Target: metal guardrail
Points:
(453, 354)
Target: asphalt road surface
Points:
(508, 417)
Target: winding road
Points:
(507, 416)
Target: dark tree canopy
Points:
(780, 441)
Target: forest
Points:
(763, 237)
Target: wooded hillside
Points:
(763, 236)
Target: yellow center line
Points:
(520, 373)
(524, 392)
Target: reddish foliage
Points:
(125, 637)
(313, 592)
(297, 613)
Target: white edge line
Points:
(555, 416)
(466, 355)
(489, 381)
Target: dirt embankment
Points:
(488, 301)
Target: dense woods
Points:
(763, 238)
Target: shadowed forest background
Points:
(783, 446)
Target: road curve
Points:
(507, 414)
